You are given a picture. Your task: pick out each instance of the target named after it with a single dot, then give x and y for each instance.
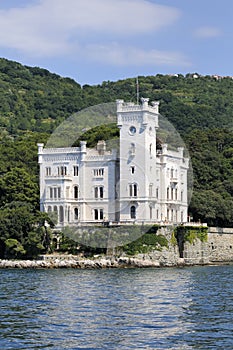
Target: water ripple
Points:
(189, 308)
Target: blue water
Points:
(172, 308)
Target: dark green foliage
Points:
(146, 242)
(212, 163)
(102, 132)
(23, 233)
(191, 233)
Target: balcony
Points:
(58, 177)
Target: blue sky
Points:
(100, 40)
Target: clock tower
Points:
(137, 186)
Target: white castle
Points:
(139, 184)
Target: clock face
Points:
(132, 130)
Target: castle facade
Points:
(140, 183)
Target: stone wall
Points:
(217, 249)
(220, 244)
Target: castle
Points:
(140, 183)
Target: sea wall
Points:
(220, 244)
(217, 249)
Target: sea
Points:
(132, 308)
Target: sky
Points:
(92, 41)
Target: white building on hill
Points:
(141, 184)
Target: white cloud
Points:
(208, 32)
(53, 27)
(125, 56)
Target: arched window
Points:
(76, 214)
(99, 192)
(151, 212)
(167, 192)
(133, 190)
(49, 209)
(133, 212)
(96, 192)
(61, 214)
(75, 192)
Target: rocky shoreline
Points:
(72, 262)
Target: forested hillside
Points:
(34, 101)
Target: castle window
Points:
(157, 192)
(176, 194)
(48, 171)
(76, 214)
(172, 215)
(75, 170)
(151, 211)
(157, 214)
(96, 192)
(101, 214)
(98, 172)
(133, 190)
(167, 192)
(62, 170)
(133, 212)
(132, 169)
(99, 192)
(49, 209)
(181, 195)
(75, 192)
(55, 192)
(98, 214)
(61, 214)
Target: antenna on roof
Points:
(137, 87)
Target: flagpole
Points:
(137, 87)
